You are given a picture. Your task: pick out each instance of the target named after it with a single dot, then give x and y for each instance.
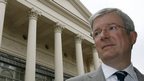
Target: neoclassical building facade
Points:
(45, 40)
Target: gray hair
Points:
(128, 23)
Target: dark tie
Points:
(121, 75)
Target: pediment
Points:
(69, 7)
(75, 7)
(73, 10)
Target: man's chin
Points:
(108, 57)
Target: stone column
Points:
(31, 46)
(2, 15)
(79, 55)
(95, 58)
(58, 53)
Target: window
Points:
(13, 68)
(10, 73)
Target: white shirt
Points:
(109, 71)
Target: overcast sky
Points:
(134, 8)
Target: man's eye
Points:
(112, 28)
(96, 33)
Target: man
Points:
(114, 36)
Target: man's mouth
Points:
(107, 46)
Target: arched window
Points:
(7, 73)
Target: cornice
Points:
(67, 13)
(81, 8)
(3, 1)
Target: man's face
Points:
(111, 38)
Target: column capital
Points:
(79, 38)
(58, 27)
(93, 46)
(3, 1)
(33, 14)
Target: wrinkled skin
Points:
(114, 48)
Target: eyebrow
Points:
(107, 25)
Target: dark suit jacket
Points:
(99, 76)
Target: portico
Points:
(46, 33)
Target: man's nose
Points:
(104, 34)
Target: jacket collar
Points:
(97, 75)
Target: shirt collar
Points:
(108, 71)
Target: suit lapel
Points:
(139, 75)
(97, 76)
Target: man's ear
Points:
(133, 36)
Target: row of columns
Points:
(31, 47)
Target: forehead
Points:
(107, 19)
